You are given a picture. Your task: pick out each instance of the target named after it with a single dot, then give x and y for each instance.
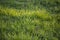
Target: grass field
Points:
(29, 24)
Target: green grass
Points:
(28, 25)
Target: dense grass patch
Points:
(28, 25)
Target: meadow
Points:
(31, 23)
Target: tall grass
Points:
(28, 25)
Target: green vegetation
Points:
(33, 21)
